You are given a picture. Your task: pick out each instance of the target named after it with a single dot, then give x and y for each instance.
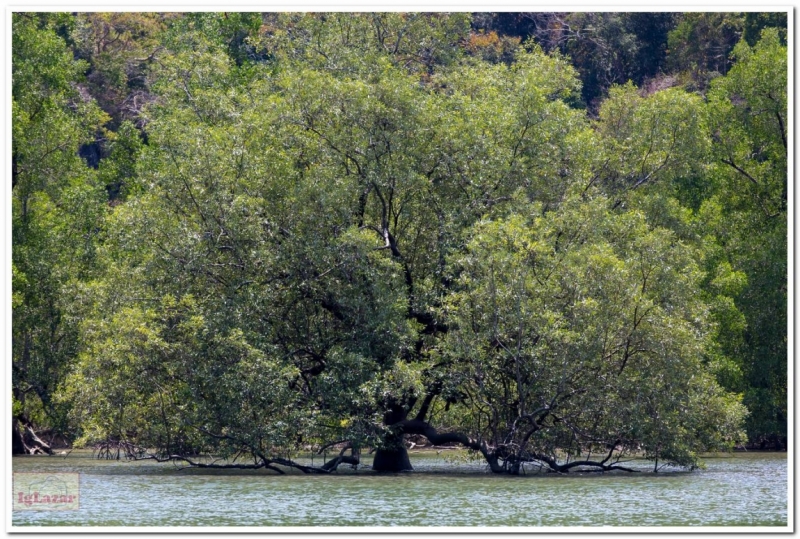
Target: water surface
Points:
(745, 489)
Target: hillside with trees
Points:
(557, 238)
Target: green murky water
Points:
(744, 489)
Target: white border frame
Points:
(384, 5)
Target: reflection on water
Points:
(741, 490)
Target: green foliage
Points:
(749, 121)
(660, 138)
(588, 326)
(701, 42)
(57, 206)
(701, 45)
(606, 48)
(351, 43)
(118, 48)
(234, 34)
(118, 170)
(755, 22)
(747, 214)
(198, 380)
(304, 228)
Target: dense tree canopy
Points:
(57, 209)
(307, 230)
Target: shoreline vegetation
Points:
(551, 239)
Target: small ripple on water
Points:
(731, 491)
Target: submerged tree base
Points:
(392, 460)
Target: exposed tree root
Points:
(500, 459)
(116, 449)
(27, 442)
(261, 461)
